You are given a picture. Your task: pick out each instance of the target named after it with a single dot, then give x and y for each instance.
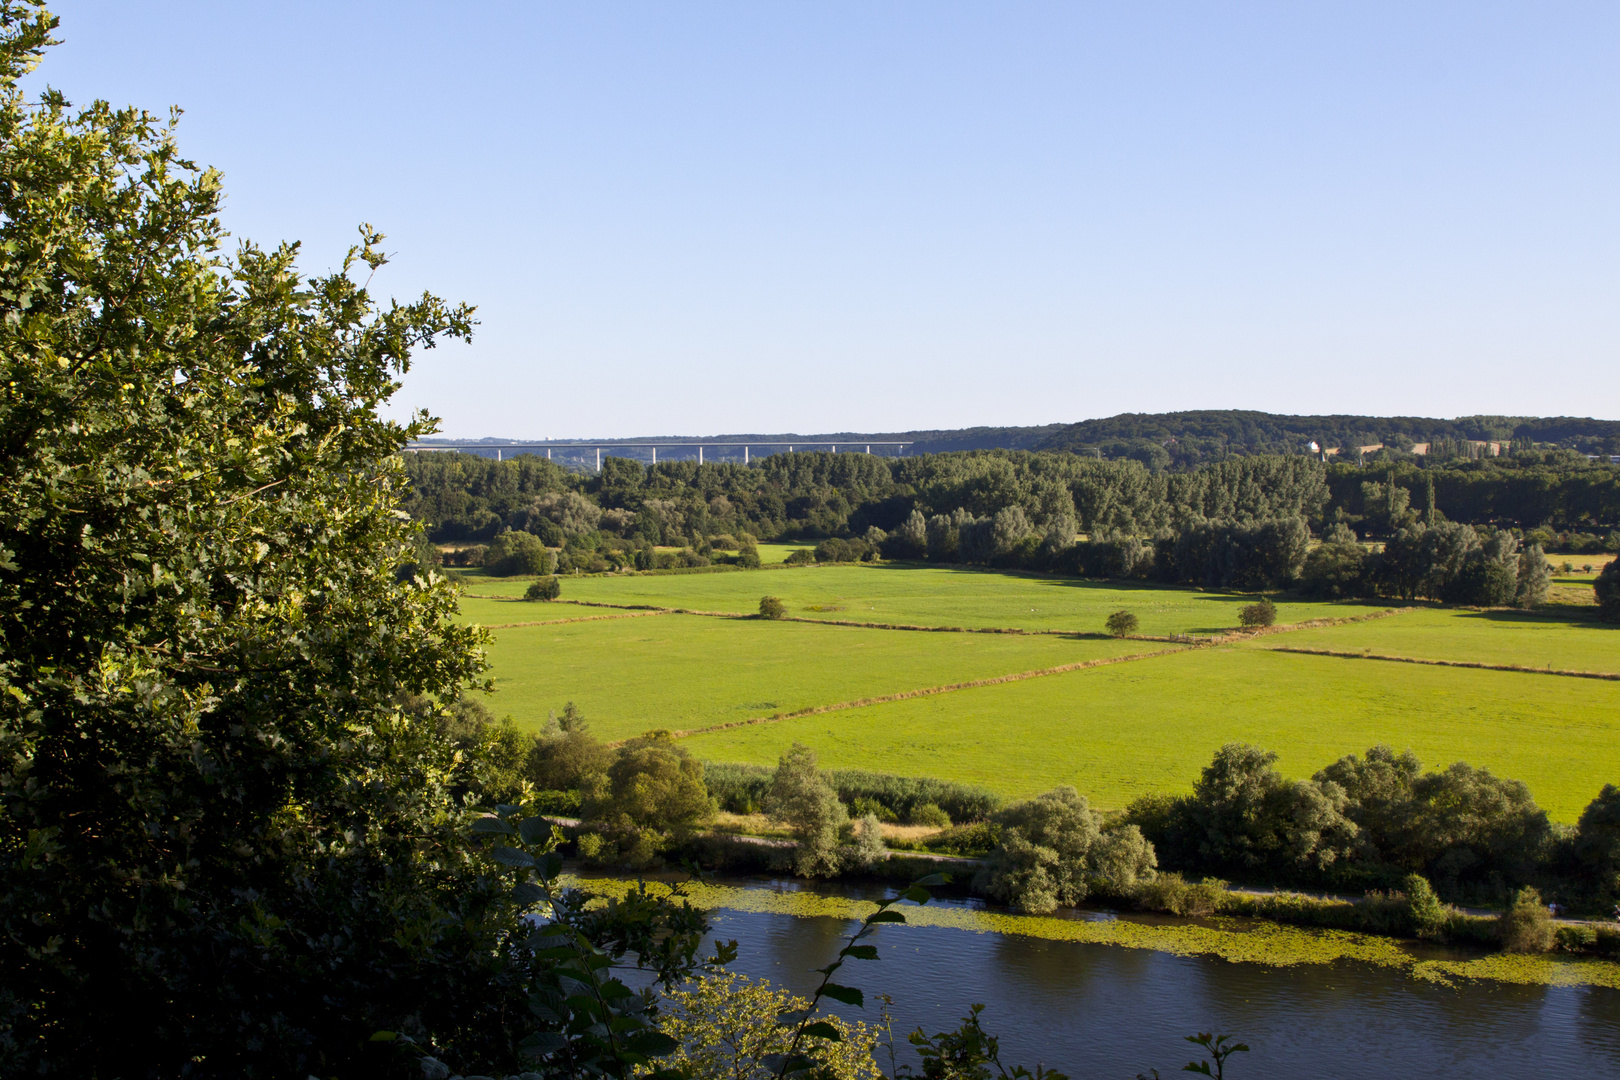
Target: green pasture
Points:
(931, 596)
(1553, 638)
(778, 553)
(1150, 725)
(630, 675)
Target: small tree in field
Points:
(772, 608)
(1122, 624)
(547, 588)
(1254, 616)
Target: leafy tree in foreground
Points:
(724, 1032)
(213, 809)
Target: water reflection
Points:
(1102, 1011)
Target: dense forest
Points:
(1464, 531)
(462, 497)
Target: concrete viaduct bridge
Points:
(677, 451)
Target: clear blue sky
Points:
(691, 218)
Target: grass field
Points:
(1114, 732)
(1149, 725)
(629, 675)
(1531, 639)
(932, 596)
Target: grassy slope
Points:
(932, 596)
(1536, 639)
(1125, 730)
(686, 671)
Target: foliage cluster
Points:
(1368, 822)
(741, 789)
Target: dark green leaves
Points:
(849, 995)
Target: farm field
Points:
(1146, 726)
(629, 675)
(931, 596)
(1114, 732)
(1531, 639)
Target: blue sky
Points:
(694, 218)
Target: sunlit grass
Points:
(1118, 732)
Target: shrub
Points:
(517, 554)
(1607, 590)
(748, 557)
(1122, 624)
(546, 588)
(863, 805)
(739, 789)
(803, 800)
(771, 607)
(1043, 855)
(1254, 616)
(1527, 926)
(973, 840)
(651, 797)
(1424, 909)
(900, 795)
(868, 850)
(1173, 894)
(800, 557)
(930, 815)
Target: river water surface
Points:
(1108, 1011)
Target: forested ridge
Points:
(1183, 440)
(818, 494)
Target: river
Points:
(1107, 1011)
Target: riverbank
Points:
(1376, 915)
(1231, 938)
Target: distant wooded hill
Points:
(1182, 439)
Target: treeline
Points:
(463, 498)
(1186, 439)
(1365, 822)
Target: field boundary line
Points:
(927, 691)
(1479, 665)
(1232, 636)
(573, 619)
(1224, 638)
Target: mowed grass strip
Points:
(938, 596)
(688, 671)
(1525, 638)
(1126, 730)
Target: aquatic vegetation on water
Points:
(1236, 940)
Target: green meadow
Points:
(1556, 639)
(1114, 731)
(629, 675)
(928, 596)
(1150, 725)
